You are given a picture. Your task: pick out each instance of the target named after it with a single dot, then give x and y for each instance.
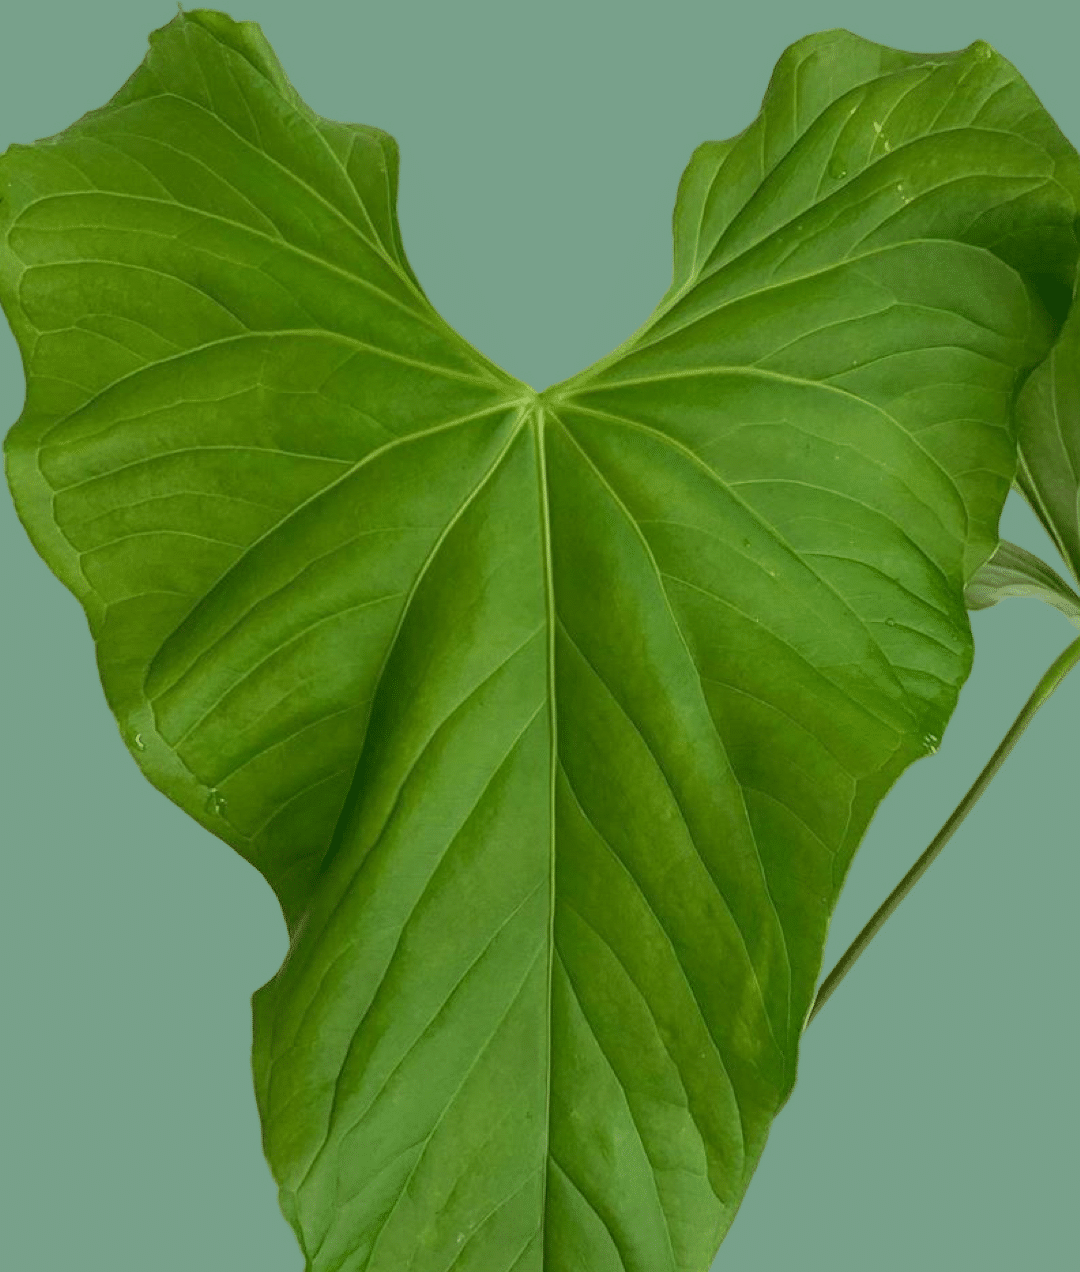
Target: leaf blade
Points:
(540, 700)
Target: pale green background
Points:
(934, 1126)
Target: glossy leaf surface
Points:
(553, 719)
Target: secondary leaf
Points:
(553, 719)
(1048, 475)
(1013, 571)
(1048, 437)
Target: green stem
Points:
(1054, 675)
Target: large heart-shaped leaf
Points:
(554, 719)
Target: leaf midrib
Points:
(553, 761)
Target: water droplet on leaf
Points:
(879, 130)
(837, 168)
(215, 802)
(138, 743)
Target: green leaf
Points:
(1048, 437)
(1013, 571)
(553, 719)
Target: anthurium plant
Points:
(553, 717)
